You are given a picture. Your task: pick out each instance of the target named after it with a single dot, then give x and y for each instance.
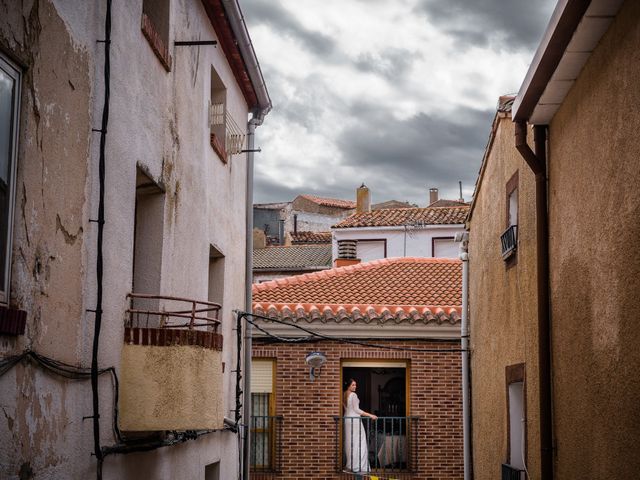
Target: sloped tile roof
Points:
(292, 257)
(388, 283)
(330, 202)
(448, 203)
(406, 216)
(302, 238)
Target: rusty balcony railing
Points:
(150, 311)
(165, 320)
(266, 444)
(388, 444)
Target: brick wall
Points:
(308, 434)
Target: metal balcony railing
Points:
(511, 473)
(266, 444)
(509, 241)
(389, 444)
(165, 312)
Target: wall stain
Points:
(69, 238)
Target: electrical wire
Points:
(245, 315)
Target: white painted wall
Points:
(158, 120)
(401, 242)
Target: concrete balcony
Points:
(171, 370)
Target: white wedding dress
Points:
(355, 438)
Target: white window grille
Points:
(216, 114)
(234, 137)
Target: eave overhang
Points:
(574, 31)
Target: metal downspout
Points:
(251, 130)
(464, 337)
(538, 163)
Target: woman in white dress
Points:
(355, 438)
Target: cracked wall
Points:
(48, 233)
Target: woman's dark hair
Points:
(348, 383)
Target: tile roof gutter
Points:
(244, 44)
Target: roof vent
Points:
(347, 249)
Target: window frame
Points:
(514, 374)
(512, 185)
(433, 245)
(372, 240)
(14, 72)
(271, 410)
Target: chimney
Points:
(461, 199)
(347, 253)
(363, 199)
(433, 195)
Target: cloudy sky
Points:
(398, 94)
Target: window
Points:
(217, 114)
(444, 247)
(216, 276)
(516, 416)
(367, 250)
(212, 471)
(226, 136)
(9, 115)
(509, 238)
(382, 389)
(155, 27)
(264, 423)
(148, 236)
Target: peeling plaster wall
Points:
(502, 308)
(158, 121)
(594, 200)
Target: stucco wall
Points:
(594, 200)
(158, 122)
(502, 302)
(412, 242)
(170, 388)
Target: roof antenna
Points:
(460, 185)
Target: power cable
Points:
(245, 315)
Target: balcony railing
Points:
(509, 241)
(266, 444)
(162, 311)
(386, 445)
(511, 473)
(171, 365)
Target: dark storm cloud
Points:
(269, 13)
(425, 149)
(509, 24)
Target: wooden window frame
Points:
(513, 184)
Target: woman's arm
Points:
(356, 407)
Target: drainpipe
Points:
(463, 238)
(537, 162)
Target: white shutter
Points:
(368, 250)
(445, 248)
(262, 376)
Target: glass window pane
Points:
(7, 108)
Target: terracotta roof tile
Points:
(330, 202)
(407, 216)
(295, 257)
(433, 282)
(302, 238)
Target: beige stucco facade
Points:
(158, 126)
(593, 175)
(594, 200)
(502, 303)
